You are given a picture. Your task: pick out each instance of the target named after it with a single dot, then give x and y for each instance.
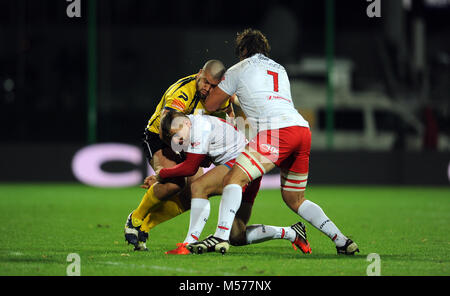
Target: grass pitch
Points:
(41, 224)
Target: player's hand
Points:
(149, 181)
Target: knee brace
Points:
(293, 182)
(250, 165)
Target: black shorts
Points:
(152, 143)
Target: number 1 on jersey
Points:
(275, 79)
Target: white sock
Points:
(229, 205)
(312, 213)
(259, 233)
(200, 209)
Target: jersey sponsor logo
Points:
(183, 96)
(278, 98)
(195, 144)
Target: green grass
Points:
(41, 224)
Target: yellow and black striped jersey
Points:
(182, 96)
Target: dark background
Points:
(144, 46)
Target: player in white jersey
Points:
(283, 139)
(200, 137)
(264, 93)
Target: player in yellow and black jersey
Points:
(186, 95)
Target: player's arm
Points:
(185, 169)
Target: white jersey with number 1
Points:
(263, 89)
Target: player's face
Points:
(181, 131)
(205, 83)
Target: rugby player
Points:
(187, 95)
(201, 137)
(283, 139)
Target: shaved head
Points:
(215, 68)
(209, 77)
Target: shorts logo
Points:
(265, 148)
